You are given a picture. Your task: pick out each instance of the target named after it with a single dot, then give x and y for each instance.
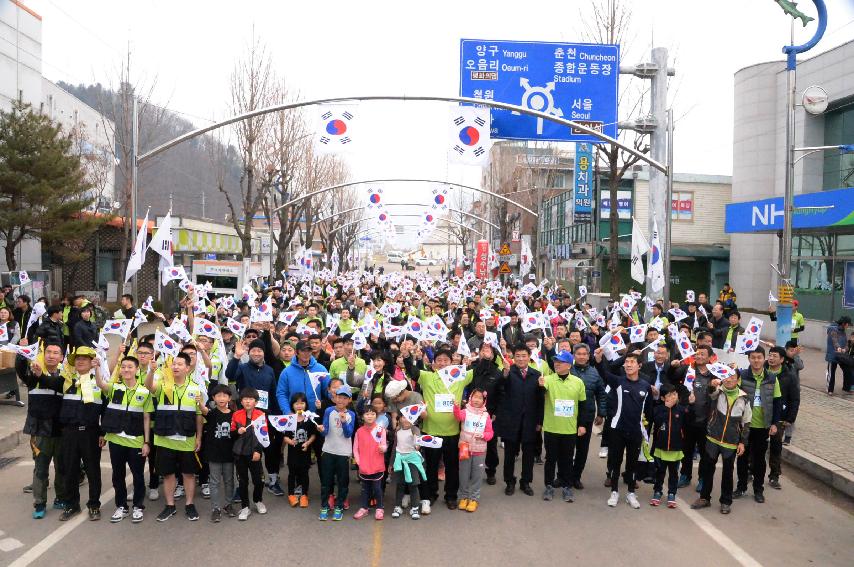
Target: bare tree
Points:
(118, 105)
(252, 87)
(458, 224)
(288, 150)
(608, 21)
(340, 243)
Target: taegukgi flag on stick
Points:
(639, 247)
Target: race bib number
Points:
(757, 400)
(564, 408)
(263, 399)
(475, 424)
(444, 403)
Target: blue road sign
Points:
(574, 81)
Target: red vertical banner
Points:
(481, 262)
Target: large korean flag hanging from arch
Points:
(469, 139)
(334, 129)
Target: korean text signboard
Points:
(573, 81)
(583, 181)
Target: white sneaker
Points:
(153, 494)
(120, 514)
(405, 502)
(413, 513)
(632, 500)
(179, 491)
(425, 507)
(396, 513)
(244, 514)
(136, 515)
(206, 491)
(612, 501)
(603, 453)
(261, 508)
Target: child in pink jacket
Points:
(369, 447)
(476, 430)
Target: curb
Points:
(824, 471)
(10, 441)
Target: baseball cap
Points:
(394, 388)
(564, 356)
(302, 345)
(344, 391)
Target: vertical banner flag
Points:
(334, 130)
(162, 241)
(469, 135)
(639, 247)
(482, 259)
(655, 261)
(137, 257)
(582, 182)
(525, 260)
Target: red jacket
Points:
(238, 419)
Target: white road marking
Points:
(740, 555)
(63, 530)
(9, 544)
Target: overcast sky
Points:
(335, 48)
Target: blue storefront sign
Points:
(812, 210)
(583, 180)
(574, 81)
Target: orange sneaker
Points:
(303, 501)
(472, 506)
(293, 500)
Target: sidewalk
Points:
(11, 423)
(823, 443)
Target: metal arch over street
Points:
(370, 228)
(351, 223)
(490, 103)
(483, 220)
(404, 180)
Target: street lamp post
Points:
(784, 308)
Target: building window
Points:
(682, 206)
(838, 167)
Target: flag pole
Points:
(134, 164)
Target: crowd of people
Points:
(424, 383)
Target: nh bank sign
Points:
(812, 210)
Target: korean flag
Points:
(284, 423)
(429, 441)
(440, 199)
(334, 129)
(469, 135)
(637, 334)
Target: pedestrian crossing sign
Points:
(504, 269)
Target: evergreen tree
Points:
(43, 189)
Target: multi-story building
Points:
(21, 80)
(822, 263)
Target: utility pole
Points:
(134, 149)
(659, 208)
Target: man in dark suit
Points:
(520, 419)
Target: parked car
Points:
(426, 262)
(394, 258)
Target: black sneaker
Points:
(759, 497)
(526, 488)
(774, 483)
(216, 515)
(229, 511)
(191, 512)
(69, 513)
(167, 513)
(490, 480)
(94, 514)
(510, 488)
(738, 494)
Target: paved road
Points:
(805, 523)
